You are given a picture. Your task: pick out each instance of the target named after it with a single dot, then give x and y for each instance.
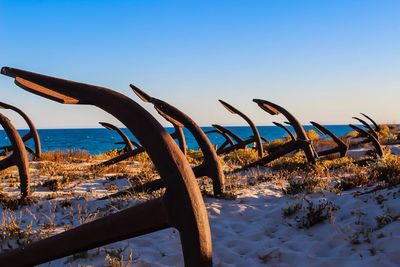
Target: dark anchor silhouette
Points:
(18, 157)
(211, 166)
(129, 150)
(128, 144)
(228, 140)
(256, 135)
(32, 134)
(302, 142)
(238, 142)
(376, 126)
(341, 147)
(366, 125)
(370, 138)
(292, 138)
(181, 206)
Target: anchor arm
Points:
(377, 127)
(125, 138)
(371, 138)
(253, 127)
(182, 203)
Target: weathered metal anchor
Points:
(32, 134)
(341, 147)
(256, 135)
(370, 138)
(211, 165)
(225, 148)
(376, 126)
(366, 125)
(181, 207)
(129, 150)
(128, 144)
(18, 157)
(301, 142)
(283, 127)
(228, 140)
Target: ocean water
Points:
(99, 140)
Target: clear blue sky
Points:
(323, 60)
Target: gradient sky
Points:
(322, 60)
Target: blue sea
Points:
(99, 140)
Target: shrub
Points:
(296, 162)
(385, 133)
(312, 135)
(275, 143)
(308, 184)
(49, 168)
(317, 213)
(352, 134)
(108, 154)
(242, 156)
(292, 209)
(194, 156)
(69, 155)
(387, 169)
(353, 181)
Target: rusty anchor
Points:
(341, 147)
(370, 138)
(18, 157)
(130, 150)
(128, 144)
(181, 206)
(302, 142)
(366, 125)
(211, 166)
(283, 127)
(256, 138)
(376, 126)
(32, 134)
(227, 139)
(238, 142)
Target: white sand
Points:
(251, 231)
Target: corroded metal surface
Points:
(301, 142)
(341, 147)
(227, 139)
(302, 137)
(366, 125)
(211, 166)
(240, 143)
(228, 132)
(181, 206)
(32, 134)
(18, 157)
(371, 138)
(178, 134)
(256, 135)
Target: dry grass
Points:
(312, 135)
(241, 156)
(276, 143)
(387, 169)
(63, 156)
